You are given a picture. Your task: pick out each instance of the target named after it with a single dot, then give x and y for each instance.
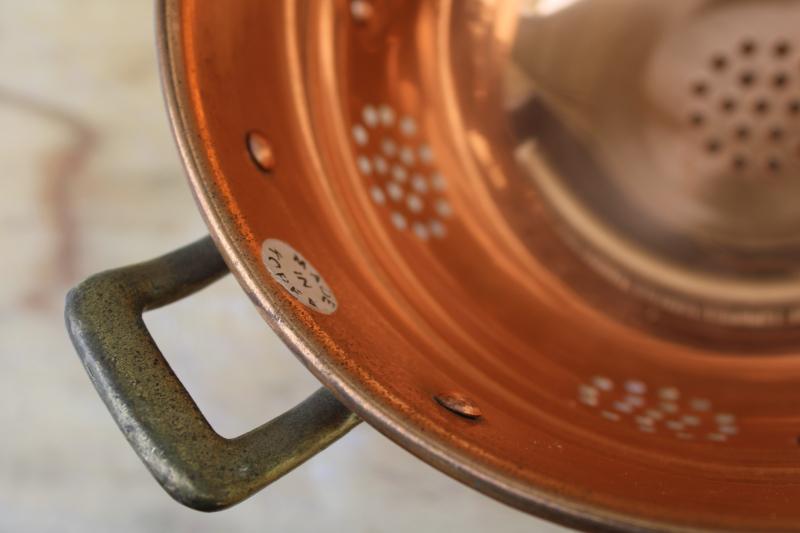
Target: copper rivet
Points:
(260, 151)
(361, 10)
(458, 404)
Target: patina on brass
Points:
(193, 463)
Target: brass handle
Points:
(195, 465)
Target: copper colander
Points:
(548, 246)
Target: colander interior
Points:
(576, 217)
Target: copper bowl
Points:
(548, 246)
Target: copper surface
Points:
(637, 372)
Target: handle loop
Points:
(193, 463)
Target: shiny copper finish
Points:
(673, 163)
(436, 165)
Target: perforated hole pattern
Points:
(745, 108)
(401, 172)
(663, 410)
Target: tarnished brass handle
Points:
(193, 463)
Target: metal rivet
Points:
(459, 404)
(260, 150)
(361, 10)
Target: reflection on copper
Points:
(517, 205)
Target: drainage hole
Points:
(719, 62)
(713, 146)
(728, 105)
(761, 107)
(747, 78)
(780, 80)
(699, 88)
(696, 119)
(748, 48)
(742, 133)
(782, 48)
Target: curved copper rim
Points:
(374, 409)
